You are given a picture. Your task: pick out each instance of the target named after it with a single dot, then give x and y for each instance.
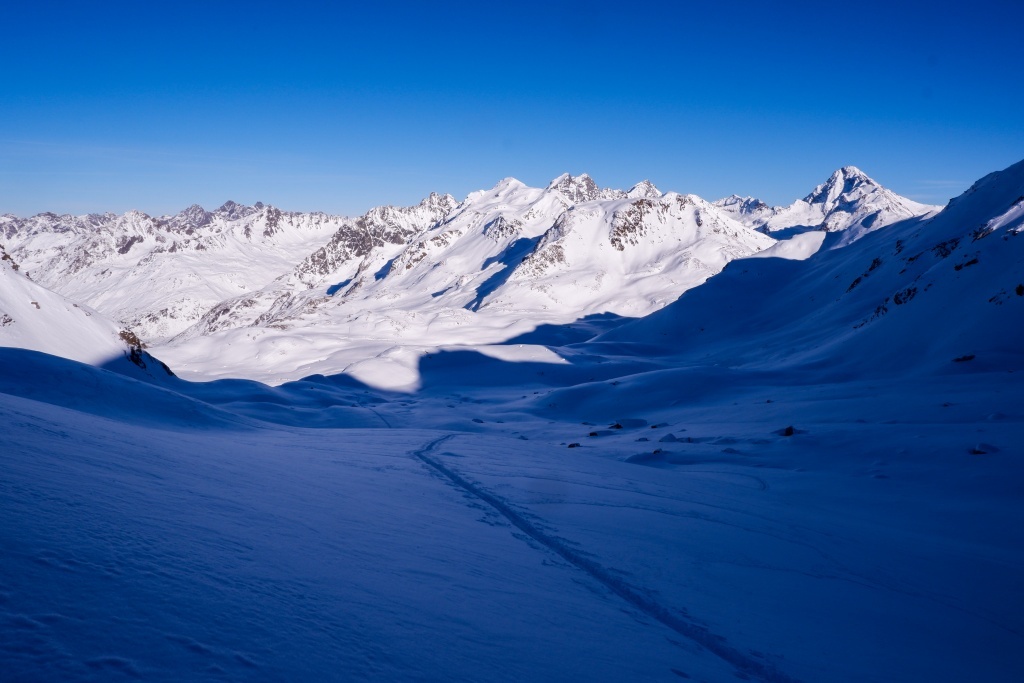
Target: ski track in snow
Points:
(634, 596)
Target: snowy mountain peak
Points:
(645, 189)
(505, 189)
(845, 182)
(737, 204)
(569, 249)
(852, 172)
(849, 201)
(233, 211)
(443, 202)
(578, 189)
(509, 183)
(194, 216)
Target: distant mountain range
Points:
(275, 295)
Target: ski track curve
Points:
(686, 628)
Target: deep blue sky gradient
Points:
(317, 105)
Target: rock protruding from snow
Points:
(378, 228)
(578, 189)
(193, 217)
(233, 211)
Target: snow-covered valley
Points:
(557, 433)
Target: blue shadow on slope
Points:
(384, 270)
(512, 256)
(787, 233)
(576, 332)
(333, 289)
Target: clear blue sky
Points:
(319, 105)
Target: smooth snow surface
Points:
(33, 317)
(808, 467)
(151, 535)
(798, 247)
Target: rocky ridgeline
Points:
(198, 272)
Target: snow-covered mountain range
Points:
(268, 294)
(800, 460)
(156, 275)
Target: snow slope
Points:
(33, 317)
(154, 535)
(241, 551)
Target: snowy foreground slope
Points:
(33, 317)
(802, 470)
(150, 535)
